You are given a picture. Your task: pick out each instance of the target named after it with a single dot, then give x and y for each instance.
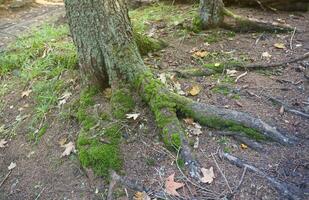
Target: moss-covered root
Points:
(255, 24)
(231, 120)
(122, 102)
(157, 96)
(194, 72)
(146, 44)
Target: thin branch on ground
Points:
(6, 177)
(286, 190)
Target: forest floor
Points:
(40, 87)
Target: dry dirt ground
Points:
(41, 173)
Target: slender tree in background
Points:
(108, 54)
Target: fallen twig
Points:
(287, 108)
(6, 177)
(292, 37)
(222, 174)
(287, 190)
(277, 64)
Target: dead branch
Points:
(287, 108)
(6, 177)
(287, 190)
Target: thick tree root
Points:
(286, 190)
(257, 24)
(213, 116)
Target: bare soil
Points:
(41, 173)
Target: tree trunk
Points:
(300, 5)
(211, 13)
(108, 55)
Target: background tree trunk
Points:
(211, 13)
(300, 5)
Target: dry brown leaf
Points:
(62, 141)
(200, 54)
(141, 196)
(243, 146)
(188, 121)
(107, 93)
(208, 175)
(171, 186)
(3, 142)
(25, 93)
(279, 46)
(69, 148)
(195, 90)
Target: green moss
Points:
(221, 89)
(181, 163)
(99, 156)
(122, 103)
(150, 162)
(218, 123)
(197, 24)
(146, 44)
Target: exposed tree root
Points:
(286, 190)
(238, 136)
(257, 24)
(215, 117)
(187, 73)
(288, 108)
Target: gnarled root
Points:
(257, 24)
(215, 117)
(286, 190)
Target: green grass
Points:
(160, 12)
(38, 60)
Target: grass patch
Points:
(38, 60)
(160, 12)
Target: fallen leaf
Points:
(133, 116)
(69, 148)
(162, 77)
(208, 175)
(279, 46)
(195, 90)
(200, 54)
(62, 141)
(3, 143)
(231, 72)
(25, 93)
(188, 121)
(171, 186)
(266, 55)
(141, 196)
(217, 64)
(243, 146)
(12, 166)
(196, 143)
(195, 129)
(178, 89)
(108, 93)
(281, 111)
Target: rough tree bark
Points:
(109, 55)
(212, 14)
